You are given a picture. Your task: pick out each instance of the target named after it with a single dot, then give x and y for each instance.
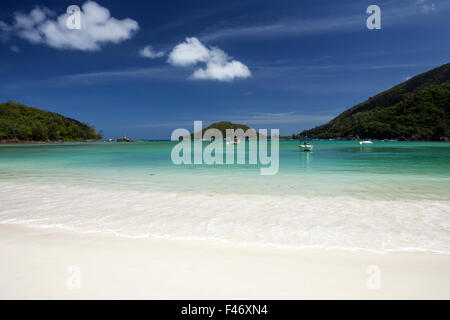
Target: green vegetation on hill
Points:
(222, 126)
(18, 122)
(417, 109)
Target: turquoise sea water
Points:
(388, 170)
(316, 199)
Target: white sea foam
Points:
(273, 220)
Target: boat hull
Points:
(305, 148)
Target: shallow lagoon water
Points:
(386, 196)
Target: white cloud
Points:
(15, 49)
(394, 13)
(256, 120)
(282, 117)
(223, 72)
(148, 52)
(426, 6)
(188, 53)
(157, 73)
(97, 28)
(219, 66)
(287, 28)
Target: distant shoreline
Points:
(17, 141)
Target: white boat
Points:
(234, 141)
(306, 145)
(365, 142)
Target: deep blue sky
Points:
(309, 61)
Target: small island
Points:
(222, 126)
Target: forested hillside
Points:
(19, 122)
(417, 109)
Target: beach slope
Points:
(48, 263)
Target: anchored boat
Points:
(233, 141)
(306, 145)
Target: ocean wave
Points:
(289, 221)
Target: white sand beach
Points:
(35, 263)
